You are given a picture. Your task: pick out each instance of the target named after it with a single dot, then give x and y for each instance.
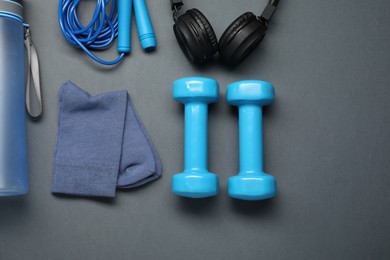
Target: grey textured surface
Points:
(327, 141)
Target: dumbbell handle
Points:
(195, 149)
(251, 141)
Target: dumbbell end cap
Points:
(250, 92)
(196, 89)
(195, 185)
(252, 186)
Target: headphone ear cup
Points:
(208, 29)
(240, 38)
(195, 36)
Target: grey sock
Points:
(101, 144)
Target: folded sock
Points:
(140, 163)
(101, 144)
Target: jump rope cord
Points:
(98, 34)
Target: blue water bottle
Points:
(13, 163)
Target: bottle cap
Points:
(12, 9)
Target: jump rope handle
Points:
(144, 25)
(124, 20)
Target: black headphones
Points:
(197, 39)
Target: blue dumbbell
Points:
(251, 183)
(196, 181)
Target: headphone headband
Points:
(265, 16)
(176, 4)
(269, 10)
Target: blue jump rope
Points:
(105, 26)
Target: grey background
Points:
(326, 141)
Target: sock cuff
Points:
(84, 178)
